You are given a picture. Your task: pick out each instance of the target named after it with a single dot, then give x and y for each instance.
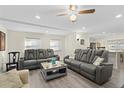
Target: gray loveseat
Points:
(33, 57)
(83, 64)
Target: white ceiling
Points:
(22, 18)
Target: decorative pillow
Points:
(94, 59)
(98, 61)
(10, 79)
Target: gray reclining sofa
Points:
(83, 64)
(33, 57)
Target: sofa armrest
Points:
(24, 76)
(66, 57)
(21, 63)
(106, 64)
(103, 73)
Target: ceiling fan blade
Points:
(86, 11)
(62, 14)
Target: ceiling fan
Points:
(73, 12)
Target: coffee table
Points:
(50, 71)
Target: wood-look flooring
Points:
(75, 80)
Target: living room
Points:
(79, 46)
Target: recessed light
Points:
(83, 28)
(46, 31)
(118, 16)
(37, 17)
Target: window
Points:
(55, 45)
(32, 43)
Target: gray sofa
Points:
(83, 64)
(33, 57)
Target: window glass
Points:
(55, 45)
(32, 43)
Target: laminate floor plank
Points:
(74, 80)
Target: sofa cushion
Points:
(92, 56)
(94, 59)
(77, 54)
(10, 79)
(75, 63)
(30, 54)
(43, 60)
(41, 54)
(85, 51)
(89, 54)
(49, 53)
(89, 68)
(84, 58)
(30, 62)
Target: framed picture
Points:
(82, 42)
(2, 41)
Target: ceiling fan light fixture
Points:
(73, 17)
(73, 12)
(73, 7)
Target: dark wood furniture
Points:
(13, 61)
(2, 41)
(101, 48)
(10, 66)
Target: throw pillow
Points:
(98, 61)
(94, 59)
(10, 79)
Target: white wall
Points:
(68, 43)
(16, 41)
(71, 43)
(3, 54)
